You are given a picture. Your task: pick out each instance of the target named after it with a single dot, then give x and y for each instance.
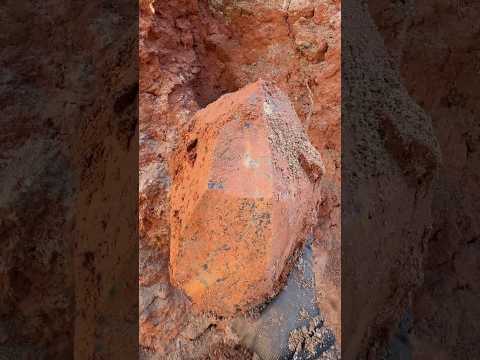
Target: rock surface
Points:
(241, 200)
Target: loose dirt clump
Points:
(314, 340)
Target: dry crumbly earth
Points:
(191, 53)
(65, 266)
(436, 46)
(410, 219)
(391, 157)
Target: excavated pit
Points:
(192, 53)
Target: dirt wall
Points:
(436, 46)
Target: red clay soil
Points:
(191, 53)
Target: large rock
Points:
(244, 177)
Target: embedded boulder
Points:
(242, 199)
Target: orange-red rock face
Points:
(241, 199)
